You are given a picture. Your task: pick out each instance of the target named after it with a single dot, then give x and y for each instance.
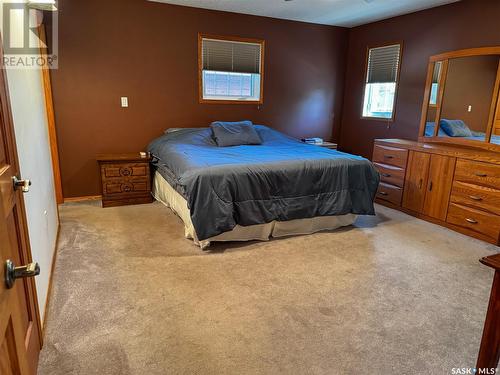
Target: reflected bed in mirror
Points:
(462, 97)
(445, 132)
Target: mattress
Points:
(166, 194)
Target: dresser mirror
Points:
(461, 103)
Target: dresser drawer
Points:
(390, 155)
(389, 193)
(391, 174)
(479, 173)
(124, 170)
(125, 187)
(476, 196)
(478, 221)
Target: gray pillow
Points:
(235, 133)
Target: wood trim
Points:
(493, 107)
(394, 104)
(51, 278)
(493, 50)
(83, 199)
(439, 102)
(51, 122)
(262, 43)
(427, 98)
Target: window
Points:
(382, 74)
(231, 69)
(434, 93)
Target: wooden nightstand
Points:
(125, 179)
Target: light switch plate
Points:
(124, 101)
(469, 109)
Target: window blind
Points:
(230, 56)
(383, 64)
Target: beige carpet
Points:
(392, 295)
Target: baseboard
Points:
(83, 199)
(51, 276)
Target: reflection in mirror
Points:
(431, 109)
(467, 97)
(495, 130)
(436, 75)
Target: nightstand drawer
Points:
(125, 179)
(128, 186)
(124, 170)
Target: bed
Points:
(277, 188)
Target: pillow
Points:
(429, 129)
(235, 133)
(455, 128)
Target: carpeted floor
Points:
(391, 295)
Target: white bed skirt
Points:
(166, 194)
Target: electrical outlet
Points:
(124, 101)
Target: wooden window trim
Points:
(262, 43)
(368, 48)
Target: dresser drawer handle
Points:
(472, 221)
(479, 174)
(475, 197)
(383, 193)
(388, 156)
(386, 175)
(125, 171)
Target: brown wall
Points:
(466, 24)
(148, 52)
(470, 81)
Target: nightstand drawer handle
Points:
(472, 221)
(125, 171)
(383, 193)
(475, 197)
(388, 156)
(386, 175)
(126, 188)
(480, 174)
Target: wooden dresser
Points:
(125, 179)
(454, 186)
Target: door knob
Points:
(23, 184)
(12, 272)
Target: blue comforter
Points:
(282, 179)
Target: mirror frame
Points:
(494, 108)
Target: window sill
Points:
(223, 101)
(384, 119)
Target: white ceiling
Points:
(346, 13)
